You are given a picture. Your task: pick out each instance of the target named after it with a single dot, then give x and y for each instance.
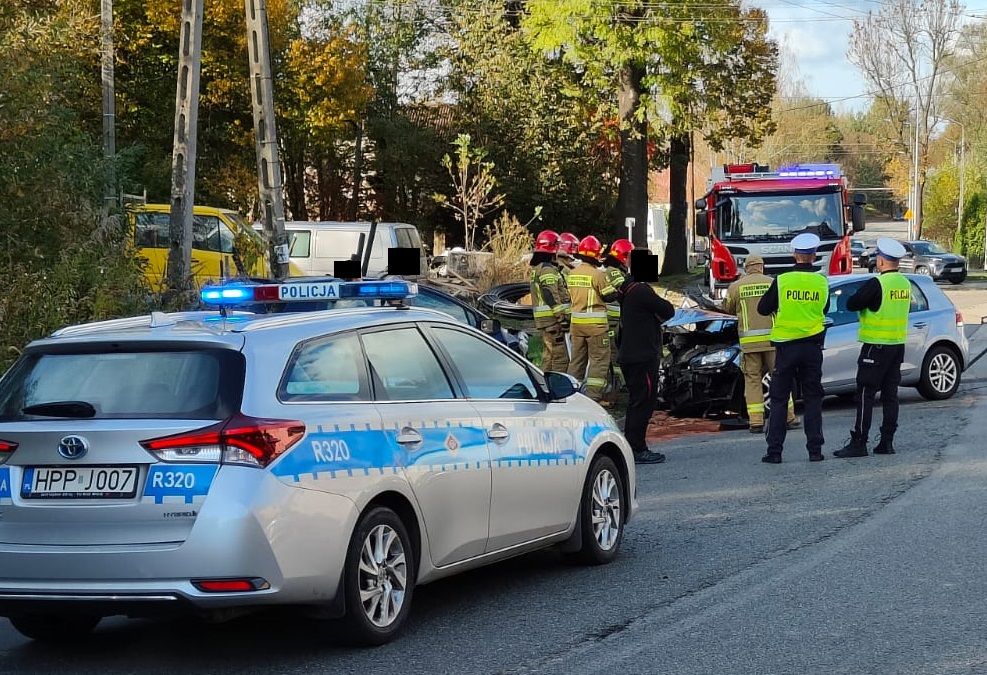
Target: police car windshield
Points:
(780, 216)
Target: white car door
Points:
(537, 449)
(440, 439)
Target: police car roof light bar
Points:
(235, 294)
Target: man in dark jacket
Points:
(642, 313)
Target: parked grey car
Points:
(930, 259)
(700, 372)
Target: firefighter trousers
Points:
(590, 358)
(554, 354)
(755, 365)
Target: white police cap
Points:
(805, 243)
(890, 248)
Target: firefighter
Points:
(590, 291)
(615, 268)
(757, 356)
(550, 300)
(798, 298)
(568, 243)
(883, 303)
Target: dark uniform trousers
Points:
(641, 379)
(800, 360)
(878, 369)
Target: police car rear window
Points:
(142, 383)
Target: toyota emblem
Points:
(73, 447)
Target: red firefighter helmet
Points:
(547, 242)
(621, 250)
(568, 243)
(590, 247)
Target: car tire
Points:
(601, 513)
(958, 278)
(379, 579)
(940, 374)
(55, 628)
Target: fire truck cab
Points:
(749, 209)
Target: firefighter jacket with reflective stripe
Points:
(802, 299)
(549, 296)
(589, 291)
(889, 324)
(741, 301)
(615, 278)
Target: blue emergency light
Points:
(810, 171)
(306, 291)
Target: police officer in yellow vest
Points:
(589, 292)
(757, 356)
(798, 300)
(883, 303)
(550, 302)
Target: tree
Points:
(670, 65)
(543, 128)
(473, 185)
(60, 263)
(902, 51)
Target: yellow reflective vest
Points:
(741, 300)
(889, 324)
(802, 300)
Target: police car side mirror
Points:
(559, 386)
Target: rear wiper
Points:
(61, 409)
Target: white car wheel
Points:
(601, 515)
(380, 578)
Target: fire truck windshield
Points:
(779, 216)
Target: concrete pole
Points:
(269, 180)
(109, 106)
(183, 154)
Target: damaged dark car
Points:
(699, 373)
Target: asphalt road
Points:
(869, 565)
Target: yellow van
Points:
(215, 234)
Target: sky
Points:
(817, 32)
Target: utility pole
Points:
(109, 106)
(269, 179)
(183, 155)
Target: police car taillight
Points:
(959, 324)
(248, 441)
(6, 450)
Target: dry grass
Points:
(510, 242)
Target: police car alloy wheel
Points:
(379, 578)
(63, 629)
(601, 513)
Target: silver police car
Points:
(215, 462)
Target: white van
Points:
(315, 246)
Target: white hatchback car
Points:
(214, 462)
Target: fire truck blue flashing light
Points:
(810, 171)
(234, 294)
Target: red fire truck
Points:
(750, 209)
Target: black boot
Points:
(885, 446)
(855, 447)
